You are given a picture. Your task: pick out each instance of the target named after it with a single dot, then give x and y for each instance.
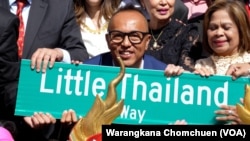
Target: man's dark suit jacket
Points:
(9, 64)
(105, 59)
(52, 23)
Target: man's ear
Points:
(107, 40)
(148, 38)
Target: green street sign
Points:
(149, 96)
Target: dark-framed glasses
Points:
(135, 37)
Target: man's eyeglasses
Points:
(135, 37)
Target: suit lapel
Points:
(36, 15)
(106, 59)
(147, 63)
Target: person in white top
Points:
(93, 17)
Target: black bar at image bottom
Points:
(142, 132)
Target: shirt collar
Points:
(142, 64)
(141, 67)
(11, 2)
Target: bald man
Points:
(128, 36)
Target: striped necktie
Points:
(20, 41)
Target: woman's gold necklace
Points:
(98, 31)
(155, 45)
